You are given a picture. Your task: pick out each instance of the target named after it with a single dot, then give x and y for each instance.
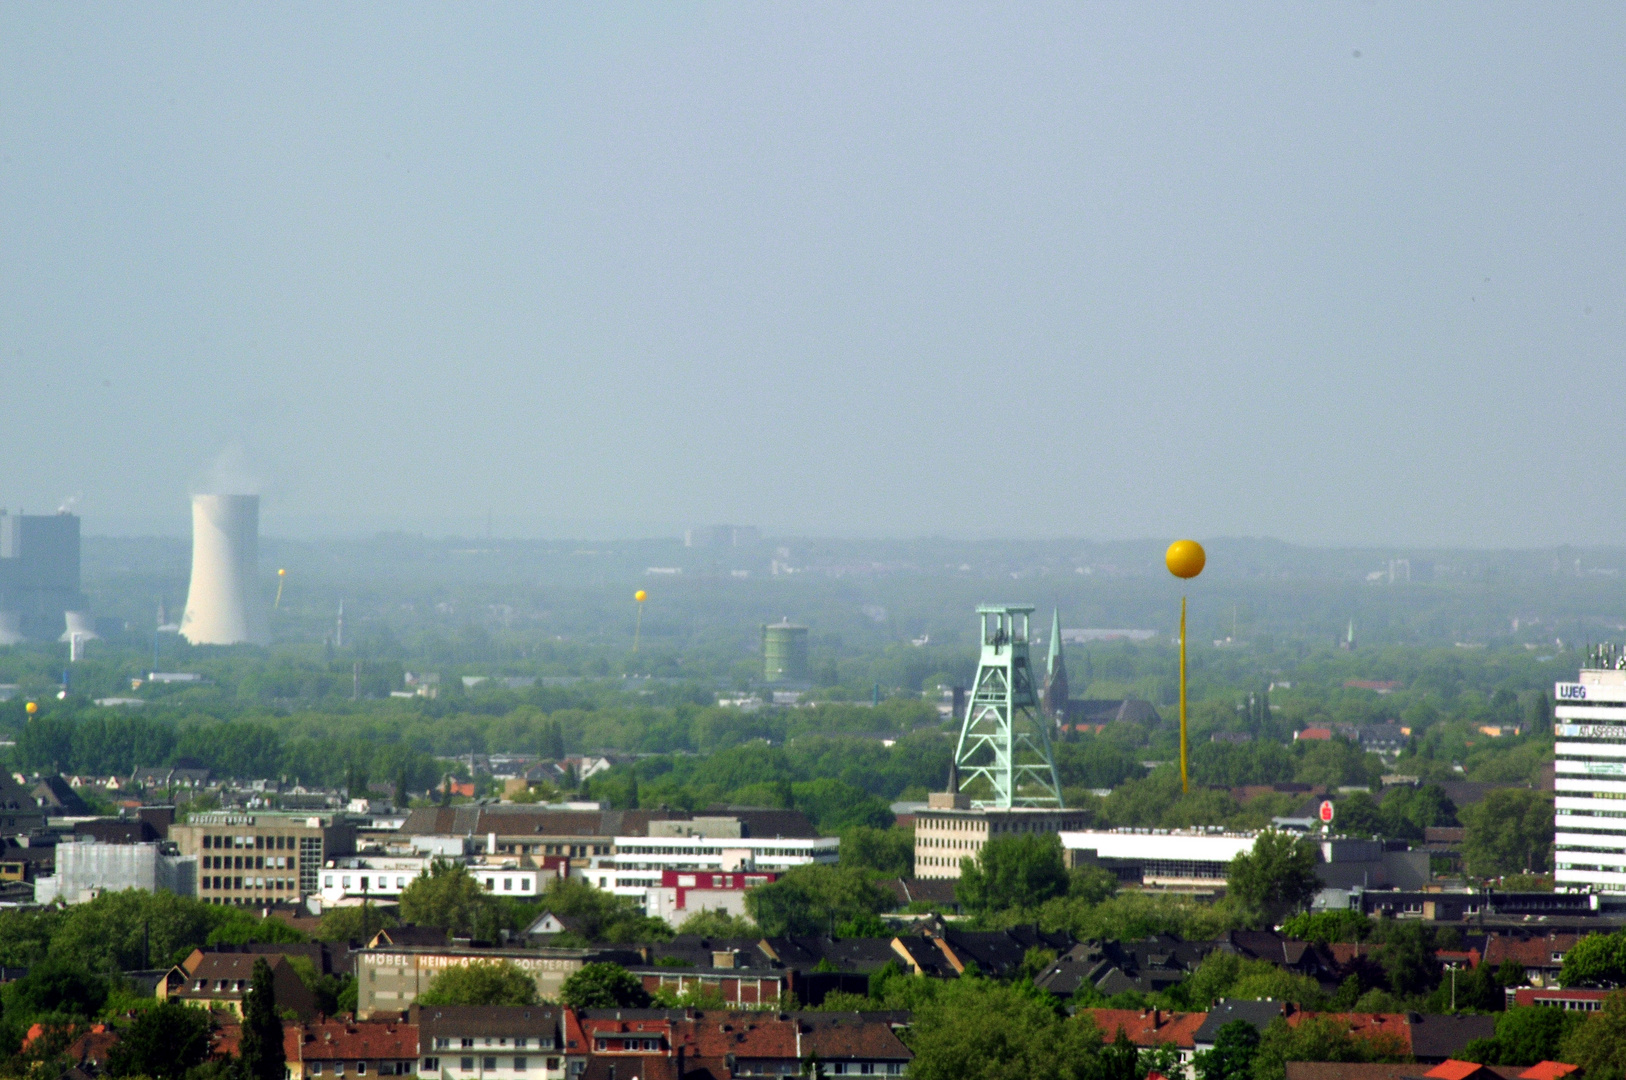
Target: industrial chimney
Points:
(221, 608)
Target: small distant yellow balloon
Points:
(282, 573)
(640, 596)
(33, 707)
(1185, 558)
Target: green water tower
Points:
(784, 652)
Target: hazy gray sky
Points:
(1332, 273)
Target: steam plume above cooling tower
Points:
(222, 607)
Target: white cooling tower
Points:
(80, 623)
(222, 606)
(11, 627)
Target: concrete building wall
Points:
(662, 903)
(945, 836)
(389, 979)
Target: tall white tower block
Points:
(222, 606)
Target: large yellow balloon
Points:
(1185, 558)
(640, 596)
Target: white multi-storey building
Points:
(1589, 826)
(703, 844)
(353, 879)
(383, 878)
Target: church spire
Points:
(1055, 682)
(1055, 644)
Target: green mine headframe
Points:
(1003, 758)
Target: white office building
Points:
(1589, 826)
(381, 879)
(509, 879)
(703, 844)
(1163, 857)
(372, 878)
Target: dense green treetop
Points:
(498, 983)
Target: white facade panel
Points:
(1593, 785)
(1186, 847)
(1575, 858)
(776, 855)
(1607, 882)
(1597, 806)
(1572, 729)
(1567, 692)
(1589, 712)
(1566, 821)
(1601, 840)
(1590, 768)
(1590, 749)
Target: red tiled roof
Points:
(575, 1037)
(1548, 1070)
(1346, 951)
(1454, 1070)
(1366, 1025)
(94, 1044)
(849, 1039)
(226, 1041)
(1530, 995)
(363, 1040)
(37, 1029)
(1535, 952)
(598, 1026)
(747, 1035)
(1148, 1027)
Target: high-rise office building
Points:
(1589, 825)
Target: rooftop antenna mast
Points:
(1003, 758)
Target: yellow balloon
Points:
(640, 596)
(280, 573)
(32, 708)
(1185, 558)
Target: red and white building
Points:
(682, 893)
